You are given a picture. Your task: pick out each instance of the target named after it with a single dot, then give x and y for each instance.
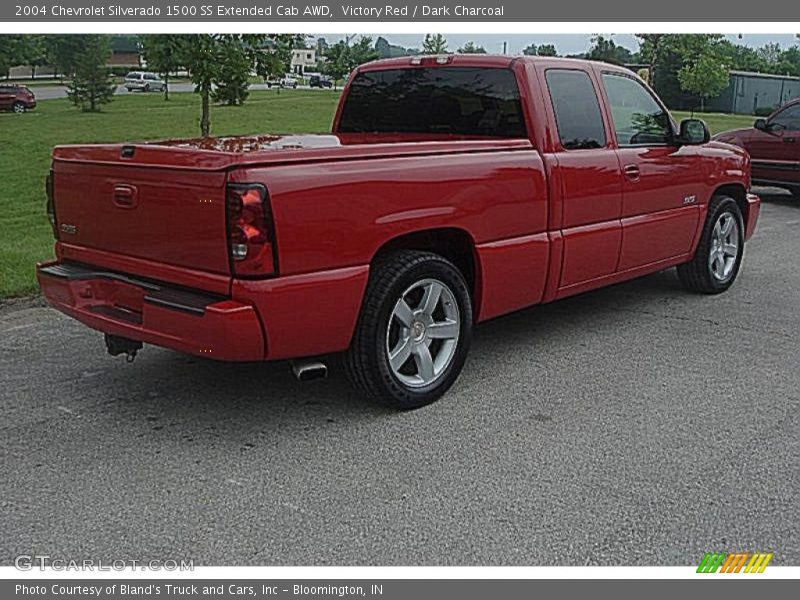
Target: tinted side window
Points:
(438, 100)
(638, 118)
(789, 118)
(578, 118)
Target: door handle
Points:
(632, 172)
(789, 140)
(124, 196)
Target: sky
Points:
(565, 43)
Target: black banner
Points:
(267, 11)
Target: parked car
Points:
(288, 82)
(18, 98)
(144, 82)
(452, 190)
(320, 81)
(774, 147)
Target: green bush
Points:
(764, 111)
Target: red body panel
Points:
(775, 153)
(544, 222)
(228, 330)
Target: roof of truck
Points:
(482, 60)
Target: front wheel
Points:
(719, 254)
(19, 107)
(414, 330)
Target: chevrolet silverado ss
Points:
(452, 189)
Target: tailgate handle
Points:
(124, 195)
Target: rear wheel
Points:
(719, 254)
(146, 87)
(414, 330)
(19, 107)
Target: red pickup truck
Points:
(453, 189)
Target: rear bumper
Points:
(190, 321)
(753, 211)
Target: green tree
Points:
(34, 52)
(91, 82)
(770, 53)
(233, 71)
(547, 50)
(200, 55)
(435, 43)
(530, 50)
(471, 48)
(705, 71)
(11, 52)
(651, 47)
(606, 50)
(273, 54)
(342, 57)
(162, 53)
(226, 61)
(63, 51)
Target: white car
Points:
(144, 82)
(288, 82)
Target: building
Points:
(125, 51)
(755, 93)
(303, 59)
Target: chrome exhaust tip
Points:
(306, 370)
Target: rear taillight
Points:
(51, 205)
(250, 230)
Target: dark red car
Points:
(18, 98)
(774, 147)
(452, 190)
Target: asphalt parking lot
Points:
(635, 425)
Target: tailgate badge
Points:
(68, 228)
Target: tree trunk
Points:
(166, 85)
(205, 122)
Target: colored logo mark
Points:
(744, 562)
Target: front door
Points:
(662, 182)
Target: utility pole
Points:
(505, 47)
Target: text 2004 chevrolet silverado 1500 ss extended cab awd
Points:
(452, 190)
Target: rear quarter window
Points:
(577, 109)
(461, 101)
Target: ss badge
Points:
(70, 229)
(690, 199)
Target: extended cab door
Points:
(587, 176)
(662, 182)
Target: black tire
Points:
(146, 87)
(19, 107)
(697, 275)
(367, 360)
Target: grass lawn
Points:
(26, 141)
(718, 122)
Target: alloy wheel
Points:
(423, 331)
(724, 247)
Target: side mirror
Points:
(761, 125)
(693, 132)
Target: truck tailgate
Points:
(166, 213)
